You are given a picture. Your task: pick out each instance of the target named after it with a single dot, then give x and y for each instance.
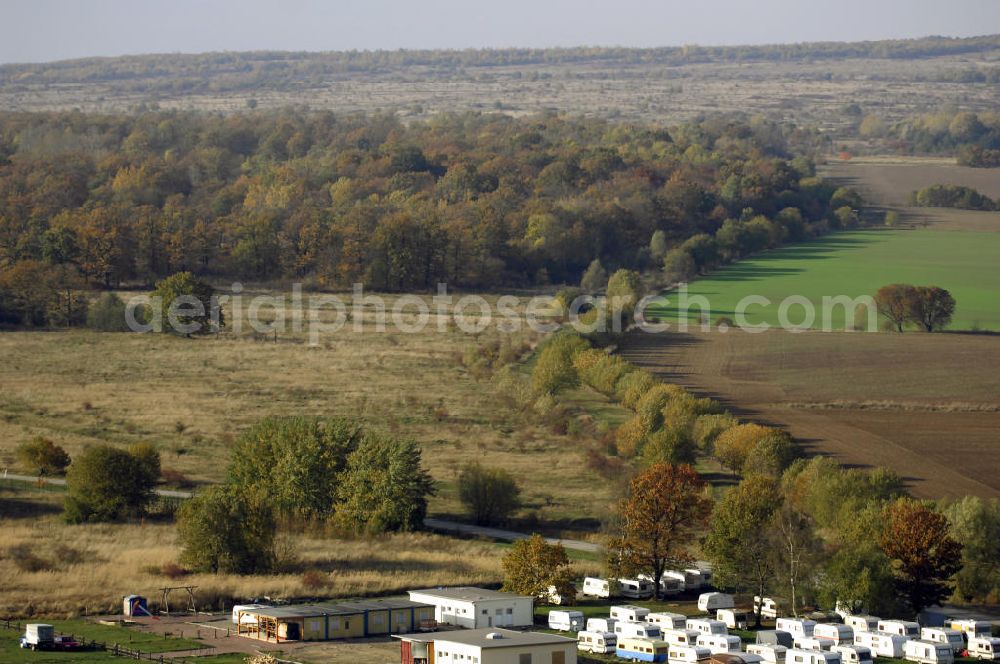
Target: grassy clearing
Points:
(855, 264)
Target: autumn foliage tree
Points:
(666, 505)
(43, 456)
(533, 565)
(923, 554)
(893, 304)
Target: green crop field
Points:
(854, 263)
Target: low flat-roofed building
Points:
(465, 606)
(487, 646)
(325, 622)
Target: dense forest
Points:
(478, 201)
(271, 70)
(973, 137)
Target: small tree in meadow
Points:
(490, 495)
(43, 456)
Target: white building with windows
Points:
(487, 646)
(474, 608)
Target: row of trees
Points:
(929, 308)
(474, 200)
(952, 196)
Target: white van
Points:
(984, 647)
(641, 630)
(972, 627)
(797, 627)
(928, 652)
(910, 630)
(719, 643)
(854, 654)
(812, 643)
(882, 645)
(667, 620)
(635, 588)
(772, 654)
(706, 626)
(566, 621)
(734, 618)
(837, 634)
(603, 625)
(768, 606)
(952, 637)
(679, 637)
(629, 613)
(594, 587)
(862, 623)
(687, 654)
(796, 656)
(596, 642)
(710, 602)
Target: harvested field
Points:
(926, 405)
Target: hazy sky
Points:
(40, 30)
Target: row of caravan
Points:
(673, 582)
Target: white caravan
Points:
(706, 626)
(972, 627)
(835, 633)
(636, 630)
(952, 637)
(603, 625)
(772, 654)
(768, 606)
(594, 587)
(797, 627)
(719, 643)
(596, 642)
(854, 654)
(795, 656)
(734, 618)
(679, 637)
(679, 577)
(984, 647)
(812, 643)
(667, 620)
(910, 630)
(669, 585)
(928, 652)
(711, 602)
(687, 654)
(629, 613)
(566, 621)
(882, 645)
(694, 579)
(862, 623)
(635, 588)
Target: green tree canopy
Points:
(227, 529)
(490, 495)
(105, 483)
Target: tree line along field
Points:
(853, 264)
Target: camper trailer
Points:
(734, 618)
(641, 650)
(669, 585)
(594, 587)
(600, 643)
(971, 627)
(641, 630)
(711, 602)
(635, 588)
(811, 643)
(775, 637)
(667, 620)
(694, 579)
(910, 630)
(679, 637)
(566, 621)
(770, 653)
(836, 634)
(854, 654)
(881, 645)
(706, 626)
(796, 656)
(717, 643)
(768, 606)
(984, 647)
(679, 577)
(629, 613)
(797, 627)
(928, 652)
(688, 654)
(862, 623)
(952, 637)
(603, 625)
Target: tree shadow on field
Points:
(755, 272)
(20, 508)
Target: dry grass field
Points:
(192, 397)
(926, 405)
